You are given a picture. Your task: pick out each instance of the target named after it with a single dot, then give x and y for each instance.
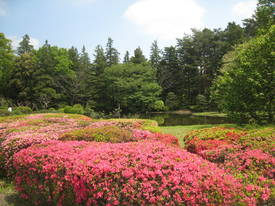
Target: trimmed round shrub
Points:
(111, 134)
(82, 173)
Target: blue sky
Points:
(130, 23)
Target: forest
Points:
(229, 70)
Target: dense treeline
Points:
(175, 77)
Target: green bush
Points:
(22, 110)
(111, 134)
(158, 106)
(76, 109)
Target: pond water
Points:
(169, 119)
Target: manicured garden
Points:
(66, 159)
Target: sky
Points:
(130, 23)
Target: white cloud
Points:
(2, 8)
(166, 19)
(16, 40)
(244, 9)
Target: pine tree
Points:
(155, 56)
(126, 57)
(138, 57)
(112, 55)
(24, 45)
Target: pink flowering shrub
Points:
(33, 129)
(235, 152)
(138, 173)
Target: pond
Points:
(169, 119)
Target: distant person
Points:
(10, 109)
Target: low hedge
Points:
(82, 173)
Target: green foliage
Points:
(111, 134)
(76, 109)
(172, 101)
(22, 110)
(201, 102)
(138, 57)
(131, 87)
(245, 90)
(158, 106)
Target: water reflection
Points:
(168, 119)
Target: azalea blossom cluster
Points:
(245, 154)
(136, 173)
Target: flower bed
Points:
(138, 173)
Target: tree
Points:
(245, 90)
(6, 64)
(24, 45)
(155, 56)
(138, 57)
(22, 80)
(172, 101)
(126, 58)
(262, 20)
(112, 55)
(131, 87)
(169, 73)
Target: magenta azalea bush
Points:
(138, 173)
(247, 155)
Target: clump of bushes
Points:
(81, 173)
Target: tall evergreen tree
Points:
(100, 61)
(155, 56)
(24, 45)
(112, 55)
(169, 72)
(138, 57)
(126, 58)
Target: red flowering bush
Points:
(235, 152)
(216, 133)
(138, 173)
